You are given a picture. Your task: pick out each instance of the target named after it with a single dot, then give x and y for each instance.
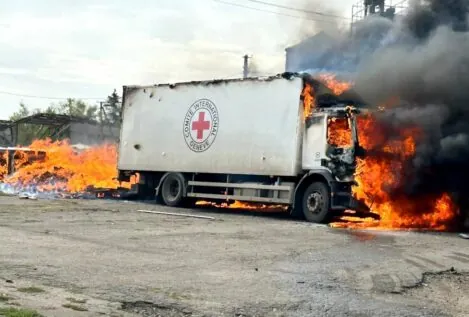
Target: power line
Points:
(44, 97)
(273, 12)
(298, 9)
(202, 50)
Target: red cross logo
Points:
(200, 125)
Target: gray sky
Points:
(86, 48)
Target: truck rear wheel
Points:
(172, 190)
(316, 202)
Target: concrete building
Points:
(307, 53)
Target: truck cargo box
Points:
(250, 126)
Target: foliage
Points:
(111, 110)
(75, 108)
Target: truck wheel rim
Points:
(314, 202)
(173, 189)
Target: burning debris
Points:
(59, 170)
(242, 206)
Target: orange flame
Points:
(338, 132)
(242, 205)
(376, 174)
(3, 165)
(65, 169)
(338, 87)
(308, 100)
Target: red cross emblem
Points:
(200, 125)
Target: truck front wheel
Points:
(172, 190)
(316, 202)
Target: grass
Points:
(18, 312)
(31, 290)
(74, 307)
(76, 301)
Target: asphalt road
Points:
(103, 258)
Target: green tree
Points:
(22, 112)
(76, 108)
(111, 109)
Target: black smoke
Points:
(427, 68)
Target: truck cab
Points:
(330, 148)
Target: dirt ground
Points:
(105, 258)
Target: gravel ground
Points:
(104, 258)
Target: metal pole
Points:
(245, 66)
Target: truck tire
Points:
(172, 190)
(316, 202)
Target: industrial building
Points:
(322, 52)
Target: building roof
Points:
(52, 119)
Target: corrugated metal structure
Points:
(78, 130)
(5, 133)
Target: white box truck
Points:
(243, 139)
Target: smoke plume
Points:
(331, 23)
(423, 61)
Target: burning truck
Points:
(285, 139)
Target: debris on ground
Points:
(26, 195)
(176, 214)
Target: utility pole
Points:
(246, 66)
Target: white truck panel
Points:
(315, 143)
(238, 127)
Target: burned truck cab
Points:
(330, 150)
(342, 146)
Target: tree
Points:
(111, 109)
(76, 108)
(22, 112)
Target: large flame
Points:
(339, 132)
(63, 168)
(379, 175)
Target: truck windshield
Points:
(339, 132)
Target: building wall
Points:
(324, 53)
(93, 134)
(308, 53)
